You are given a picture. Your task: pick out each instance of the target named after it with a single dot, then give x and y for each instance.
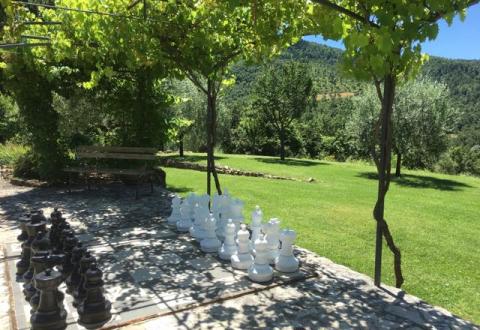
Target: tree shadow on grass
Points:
(420, 181)
(290, 161)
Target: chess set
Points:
(220, 230)
(150, 264)
(49, 257)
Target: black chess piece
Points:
(65, 231)
(48, 315)
(41, 263)
(70, 242)
(37, 223)
(56, 214)
(24, 219)
(94, 311)
(74, 279)
(80, 292)
(40, 244)
(57, 226)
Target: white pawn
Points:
(243, 258)
(210, 243)
(175, 215)
(286, 261)
(185, 222)
(260, 271)
(256, 225)
(228, 247)
(272, 235)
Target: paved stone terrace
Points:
(158, 276)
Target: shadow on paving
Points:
(332, 301)
(420, 181)
(290, 161)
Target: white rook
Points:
(286, 261)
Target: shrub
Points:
(10, 153)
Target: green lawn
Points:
(434, 219)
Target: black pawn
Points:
(55, 215)
(48, 316)
(74, 279)
(70, 242)
(80, 292)
(94, 311)
(33, 226)
(57, 226)
(41, 263)
(23, 227)
(41, 244)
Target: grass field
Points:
(434, 218)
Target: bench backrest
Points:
(99, 152)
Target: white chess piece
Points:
(228, 247)
(260, 270)
(224, 215)
(185, 222)
(236, 213)
(256, 225)
(286, 261)
(175, 215)
(272, 235)
(243, 258)
(196, 230)
(210, 243)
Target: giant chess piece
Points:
(228, 247)
(80, 292)
(256, 225)
(66, 232)
(58, 223)
(243, 258)
(185, 222)
(73, 280)
(201, 212)
(224, 215)
(175, 216)
(260, 271)
(236, 213)
(37, 223)
(48, 315)
(42, 261)
(56, 214)
(286, 261)
(40, 243)
(23, 220)
(69, 244)
(94, 311)
(272, 235)
(210, 243)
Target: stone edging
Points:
(168, 162)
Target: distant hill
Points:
(461, 76)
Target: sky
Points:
(461, 40)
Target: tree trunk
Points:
(180, 146)
(282, 145)
(398, 168)
(383, 185)
(211, 132)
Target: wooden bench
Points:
(85, 155)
